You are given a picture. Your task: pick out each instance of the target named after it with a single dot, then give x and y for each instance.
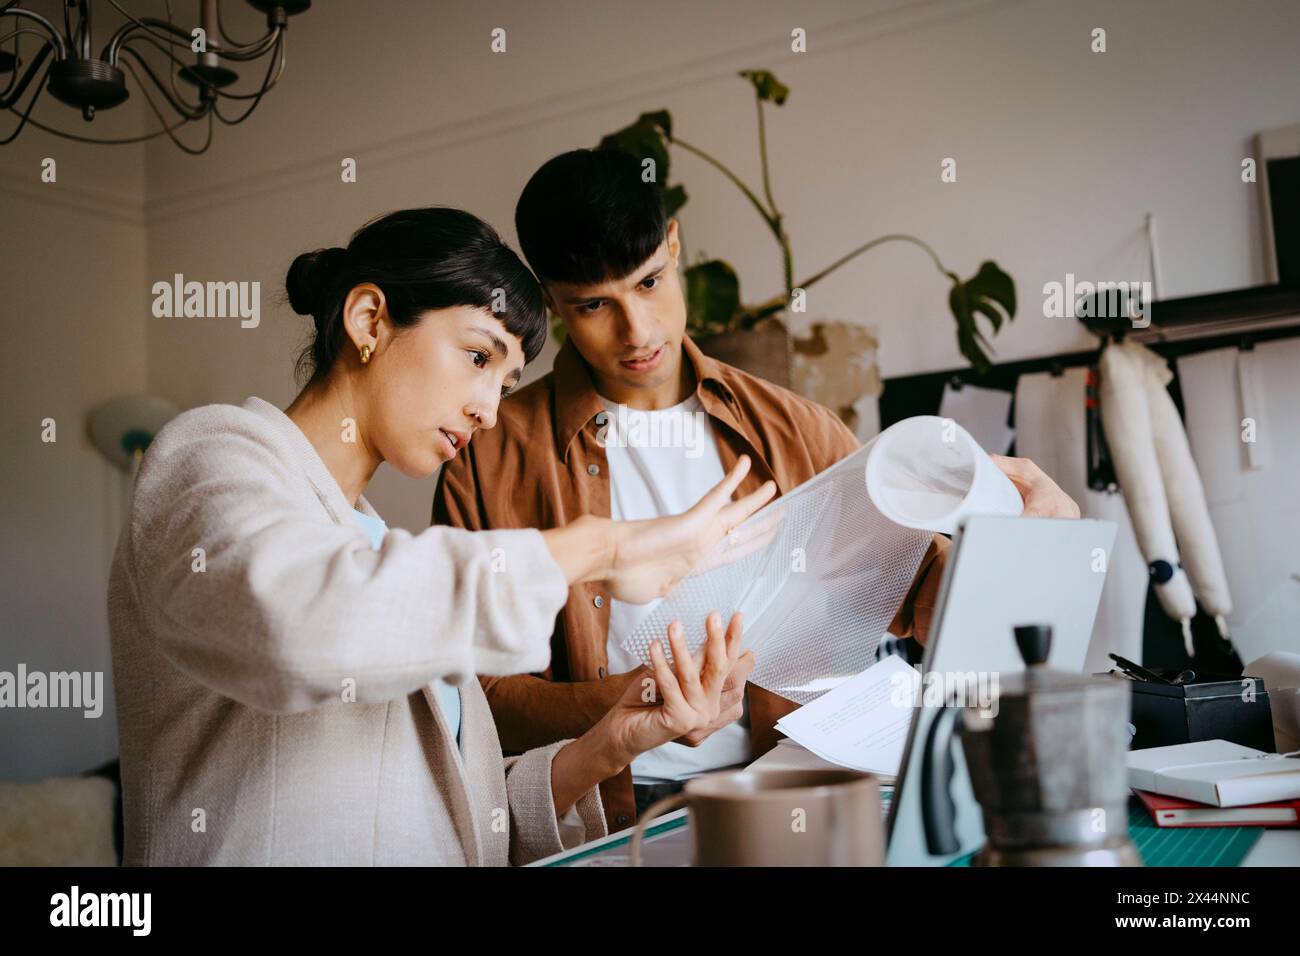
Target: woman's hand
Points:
(649, 557)
(678, 700)
(659, 704)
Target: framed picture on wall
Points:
(1278, 156)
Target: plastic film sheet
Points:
(820, 572)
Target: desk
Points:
(669, 840)
(1274, 848)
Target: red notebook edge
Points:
(1171, 812)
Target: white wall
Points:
(72, 273)
(1060, 154)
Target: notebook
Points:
(1215, 772)
(1176, 812)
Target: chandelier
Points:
(72, 73)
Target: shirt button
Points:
(622, 819)
(593, 469)
(600, 672)
(598, 601)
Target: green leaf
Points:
(674, 199)
(990, 293)
(648, 138)
(712, 297)
(661, 119)
(992, 283)
(767, 86)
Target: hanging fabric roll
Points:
(1161, 485)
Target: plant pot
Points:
(763, 351)
(834, 364)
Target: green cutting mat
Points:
(1188, 846)
(1180, 846)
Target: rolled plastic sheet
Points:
(820, 572)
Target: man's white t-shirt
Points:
(661, 463)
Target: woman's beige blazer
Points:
(273, 671)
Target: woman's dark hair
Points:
(422, 259)
(588, 216)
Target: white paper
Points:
(820, 572)
(861, 724)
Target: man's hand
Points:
(1043, 497)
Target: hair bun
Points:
(310, 276)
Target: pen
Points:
(1137, 669)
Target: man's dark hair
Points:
(587, 216)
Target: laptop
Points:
(1002, 572)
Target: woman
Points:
(296, 683)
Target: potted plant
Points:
(753, 336)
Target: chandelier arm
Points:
(171, 72)
(221, 27)
(166, 129)
(40, 87)
(83, 29)
(184, 109)
(13, 77)
(252, 96)
(253, 51)
(179, 37)
(267, 83)
(102, 142)
(14, 36)
(171, 69)
(53, 34)
(9, 100)
(19, 32)
(217, 91)
(231, 49)
(172, 34)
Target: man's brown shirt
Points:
(543, 466)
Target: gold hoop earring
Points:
(365, 354)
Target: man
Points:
(607, 257)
